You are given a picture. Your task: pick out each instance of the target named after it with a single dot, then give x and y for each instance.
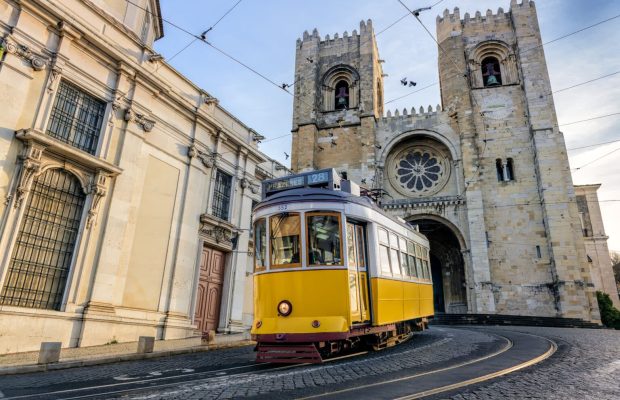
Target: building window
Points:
(499, 169)
(221, 196)
(341, 95)
(76, 118)
(45, 242)
(510, 175)
(491, 75)
(504, 170)
(538, 253)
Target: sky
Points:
(262, 34)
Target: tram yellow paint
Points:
(397, 300)
(320, 295)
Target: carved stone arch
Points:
(449, 261)
(82, 177)
(331, 78)
(387, 148)
(496, 49)
(449, 224)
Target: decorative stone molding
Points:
(55, 73)
(30, 161)
(38, 62)
(216, 231)
(140, 119)
(438, 204)
(98, 189)
(92, 172)
(207, 159)
(207, 99)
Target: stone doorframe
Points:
(470, 294)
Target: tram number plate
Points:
(318, 178)
(282, 207)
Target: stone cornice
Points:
(425, 202)
(55, 146)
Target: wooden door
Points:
(209, 295)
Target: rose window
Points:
(419, 170)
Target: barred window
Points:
(45, 242)
(221, 196)
(76, 118)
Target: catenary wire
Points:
(207, 31)
(546, 43)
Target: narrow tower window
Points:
(491, 75)
(341, 95)
(499, 169)
(510, 176)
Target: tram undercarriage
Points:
(313, 348)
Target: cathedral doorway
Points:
(447, 266)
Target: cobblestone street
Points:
(585, 365)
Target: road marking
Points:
(552, 349)
(500, 351)
(132, 382)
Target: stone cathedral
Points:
(485, 175)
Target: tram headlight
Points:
(285, 308)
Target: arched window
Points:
(491, 75)
(500, 170)
(341, 95)
(44, 247)
(510, 176)
(379, 98)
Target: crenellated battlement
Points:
(411, 113)
(454, 18)
(365, 29)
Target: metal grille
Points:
(44, 247)
(221, 197)
(76, 118)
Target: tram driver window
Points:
(260, 237)
(285, 231)
(324, 239)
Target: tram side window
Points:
(427, 272)
(260, 247)
(411, 258)
(384, 250)
(394, 258)
(404, 263)
(324, 239)
(418, 259)
(285, 231)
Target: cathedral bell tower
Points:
(494, 81)
(338, 97)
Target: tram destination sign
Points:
(325, 178)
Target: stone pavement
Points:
(586, 366)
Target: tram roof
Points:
(323, 194)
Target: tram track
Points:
(152, 383)
(407, 387)
(514, 351)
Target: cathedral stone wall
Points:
(488, 166)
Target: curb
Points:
(30, 368)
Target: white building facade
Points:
(127, 189)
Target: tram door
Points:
(358, 273)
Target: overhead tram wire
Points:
(543, 44)
(593, 145)
(595, 160)
(205, 32)
(366, 41)
(203, 40)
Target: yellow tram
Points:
(333, 271)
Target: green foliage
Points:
(610, 316)
(114, 341)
